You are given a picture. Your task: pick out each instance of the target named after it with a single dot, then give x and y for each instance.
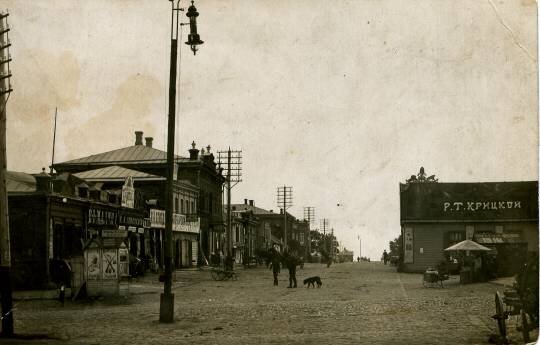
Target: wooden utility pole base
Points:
(166, 308)
(7, 302)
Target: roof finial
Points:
(193, 144)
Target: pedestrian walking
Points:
(385, 256)
(275, 262)
(291, 262)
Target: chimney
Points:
(193, 152)
(251, 203)
(149, 141)
(43, 181)
(245, 201)
(138, 137)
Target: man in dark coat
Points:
(291, 262)
(275, 261)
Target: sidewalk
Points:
(147, 284)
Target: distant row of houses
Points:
(115, 202)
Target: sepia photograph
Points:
(269, 172)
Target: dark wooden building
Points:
(500, 215)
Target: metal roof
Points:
(19, 182)
(131, 154)
(256, 210)
(116, 173)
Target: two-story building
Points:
(196, 194)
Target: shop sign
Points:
(113, 233)
(473, 206)
(132, 228)
(140, 230)
(98, 216)
(408, 257)
(132, 220)
(157, 219)
(128, 193)
(180, 222)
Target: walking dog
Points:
(311, 281)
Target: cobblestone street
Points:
(359, 303)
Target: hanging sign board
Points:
(113, 233)
(408, 257)
(128, 193)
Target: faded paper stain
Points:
(130, 111)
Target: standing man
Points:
(385, 256)
(291, 262)
(275, 262)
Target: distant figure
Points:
(385, 256)
(291, 261)
(358, 259)
(62, 294)
(275, 265)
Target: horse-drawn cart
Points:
(433, 278)
(507, 305)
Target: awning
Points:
(492, 238)
(467, 245)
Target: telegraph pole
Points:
(5, 253)
(309, 217)
(284, 201)
(332, 246)
(233, 158)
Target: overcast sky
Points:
(342, 100)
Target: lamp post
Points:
(166, 306)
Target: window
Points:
(182, 206)
(83, 192)
(193, 207)
(454, 237)
(175, 205)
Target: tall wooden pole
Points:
(166, 307)
(229, 215)
(285, 215)
(5, 253)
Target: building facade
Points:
(499, 215)
(196, 195)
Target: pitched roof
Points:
(136, 154)
(256, 210)
(19, 182)
(116, 173)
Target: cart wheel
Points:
(500, 315)
(215, 275)
(524, 326)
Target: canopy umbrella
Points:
(467, 245)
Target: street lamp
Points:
(193, 38)
(166, 303)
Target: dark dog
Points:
(311, 281)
